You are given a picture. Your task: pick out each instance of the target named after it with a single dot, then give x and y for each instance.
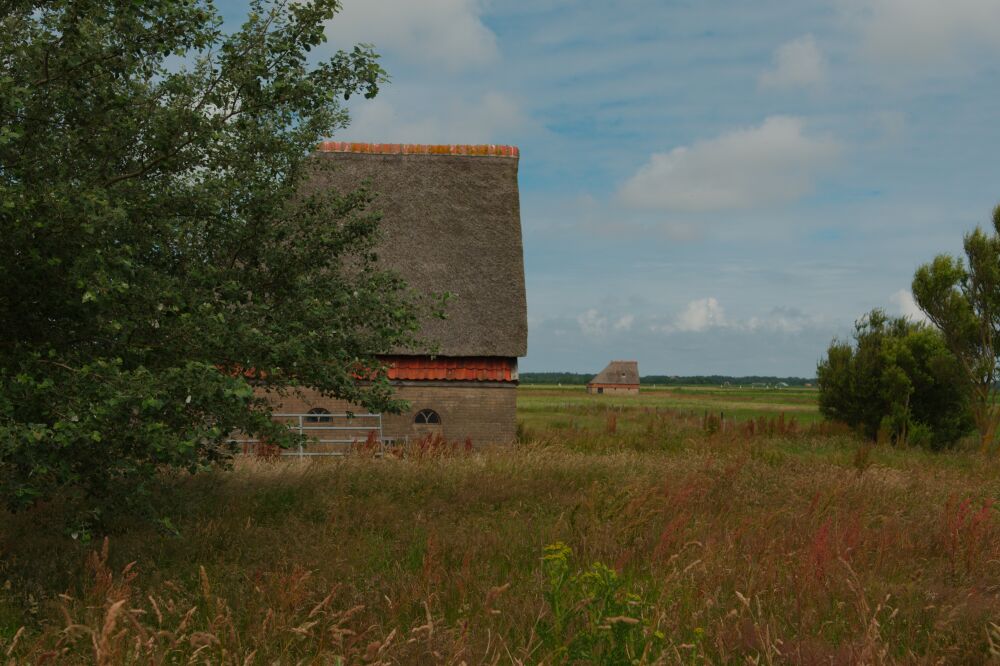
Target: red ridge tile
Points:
(487, 150)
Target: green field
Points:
(618, 530)
(541, 404)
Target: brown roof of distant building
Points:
(618, 372)
(451, 223)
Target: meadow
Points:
(682, 526)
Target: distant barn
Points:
(620, 377)
(451, 223)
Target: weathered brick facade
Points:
(612, 389)
(484, 412)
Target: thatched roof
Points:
(451, 222)
(618, 372)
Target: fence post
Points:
(381, 437)
(302, 433)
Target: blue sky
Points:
(707, 186)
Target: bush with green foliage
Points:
(898, 378)
(159, 258)
(962, 299)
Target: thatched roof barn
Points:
(618, 377)
(450, 223)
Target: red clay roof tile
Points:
(489, 150)
(472, 368)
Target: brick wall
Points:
(613, 390)
(482, 411)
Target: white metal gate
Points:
(325, 434)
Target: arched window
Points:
(428, 417)
(318, 415)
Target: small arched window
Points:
(428, 417)
(318, 415)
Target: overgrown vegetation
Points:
(668, 536)
(897, 381)
(962, 299)
(159, 257)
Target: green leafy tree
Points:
(159, 257)
(962, 298)
(897, 377)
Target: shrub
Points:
(897, 378)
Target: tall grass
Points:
(653, 536)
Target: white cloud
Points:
(796, 63)
(595, 325)
(490, 118)
(699, 315)
(915, 32)
(444, 33)
(905, 305)
(775, 162)
(707, 313)
(781, 320)
(592, 323)
(625, 323)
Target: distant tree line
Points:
(576, 378)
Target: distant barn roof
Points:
(451, 222)
(619, 372)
